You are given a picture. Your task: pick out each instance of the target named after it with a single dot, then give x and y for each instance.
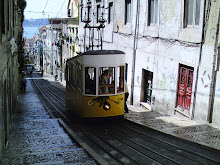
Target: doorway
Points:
(146, 88)
(185, 89)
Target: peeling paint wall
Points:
(10, 65)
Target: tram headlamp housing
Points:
(106, 106)
(90, 103)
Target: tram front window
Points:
(106, 80)
(90, 80)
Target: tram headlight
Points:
(106, 106)
(90, 103)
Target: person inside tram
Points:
(106, 79)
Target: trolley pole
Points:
(134, 54)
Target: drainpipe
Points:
(214, 73)
(204, 28)
(134, 54)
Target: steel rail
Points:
(120, 132)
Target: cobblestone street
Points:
(38, 139)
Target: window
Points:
(106, 80)
(73, 50)
(76, 31)
(67, 75)
(152, 12)
(79, 76)
(68, 12)
(127, 11)
(110, 12)
(120, 79)
(3, 17)
(13, 15)
(9, 19)
(98, 13)
(72, 77)
(85, 12)
(90, 80)
(81, 6)
(72, 10)
(192, 12)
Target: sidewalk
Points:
(196, 131)
(182, 127)
(38, 139)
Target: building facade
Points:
(40, 45)
(52, 53)
(11, 63)
(70, 37)
(170, 51)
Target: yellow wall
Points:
(70, 47)
(74, 12)
(74, 8)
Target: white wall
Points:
(161, 48)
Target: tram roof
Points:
(108, 60)
(103, 52)
(99, 52)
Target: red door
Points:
(185, 89)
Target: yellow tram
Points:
(95, 83)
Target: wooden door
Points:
(185, 89)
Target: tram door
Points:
(185, 89)
(146, 86)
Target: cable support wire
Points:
(38, 12)
(61, 8)
(42, 17)
(164, 40)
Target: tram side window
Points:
(90, 80)
(106, 80)
(68, 75)
(73, 76)
(120, 79)
(79, 76)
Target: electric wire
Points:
(61, 8)
(42, 17)
(38, 12)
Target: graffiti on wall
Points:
(205, 79)
(164, 84)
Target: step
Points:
(18, 152)
(38, 124)
(66, 157)
(15, 135)
(40, 141)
